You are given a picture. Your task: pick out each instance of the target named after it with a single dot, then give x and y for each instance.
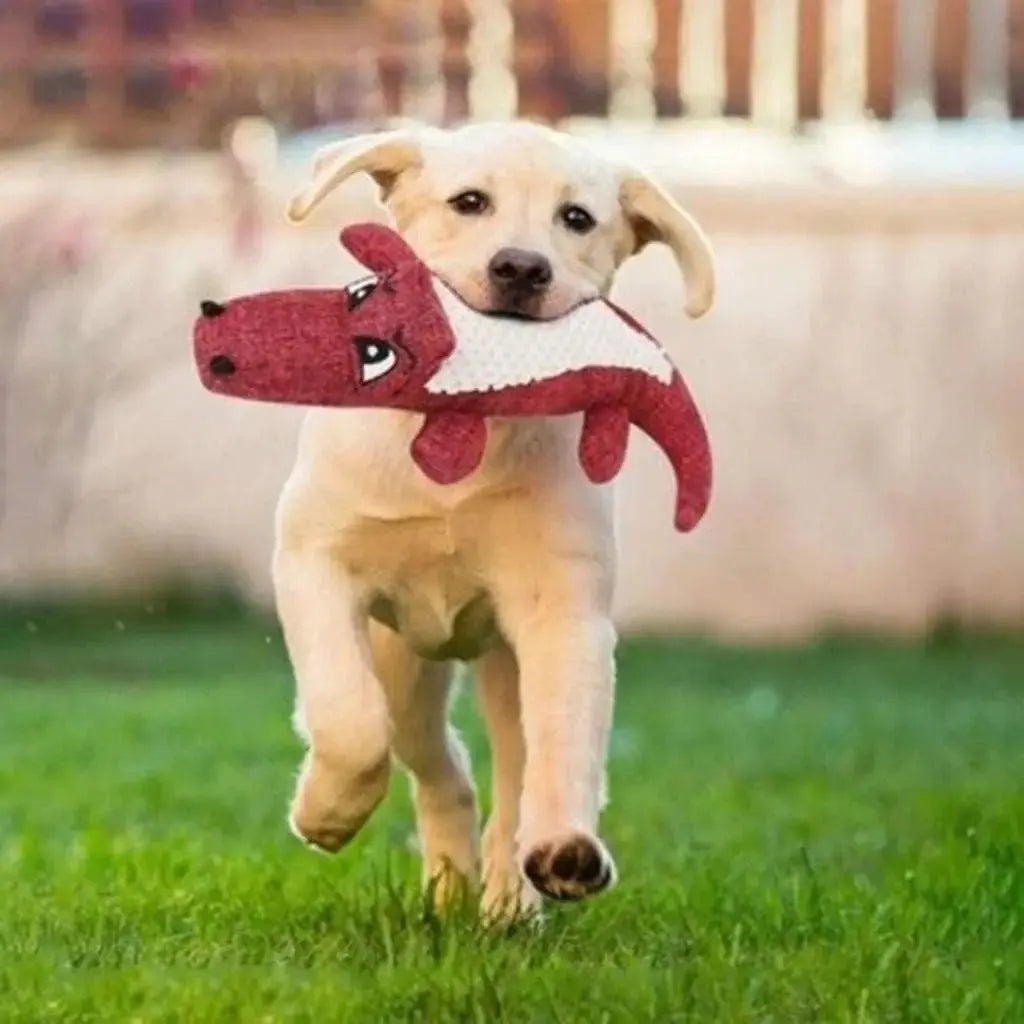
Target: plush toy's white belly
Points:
(493, 353)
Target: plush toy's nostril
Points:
(222, 366)
(211, 309)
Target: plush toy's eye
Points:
(359, 291)
(376, 358)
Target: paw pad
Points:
(321, 838)
(569, 869)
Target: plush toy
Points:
(399, 337)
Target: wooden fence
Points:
(159, 71)
(775, 61)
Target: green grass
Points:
(829, 833)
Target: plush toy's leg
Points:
(603, 441)
(506, 896)
(450, 445)
(437, 762)
(341, 710)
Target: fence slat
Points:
(422, 81)
(665, 59)
(537, 35)
(845, 64)
(773, 76)
(881, 57)
(950, 86)
(702, 58)
(738, 56)
(493, 93)
(17, 45)
(584, 44)
(633, 29)
(988, 62)
(1015, 57)
(455, 26)
(106, 47)
(915, 52)
(809, 58)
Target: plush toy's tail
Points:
(673, 421)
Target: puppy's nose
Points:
(519, 270)
(211, 309)
(222, 366)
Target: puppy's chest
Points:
(418, 580)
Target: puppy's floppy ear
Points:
(377, 247)
(656, 217)
(383, 155)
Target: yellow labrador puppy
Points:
(383, 578)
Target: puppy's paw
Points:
(507, 899)
(331, 804)
(570, 867)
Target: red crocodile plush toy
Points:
(400, 338)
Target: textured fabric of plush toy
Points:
(398, 337)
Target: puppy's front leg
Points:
(341, 708)
(560, 626)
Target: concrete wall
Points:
(862, 377)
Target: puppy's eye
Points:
(577, 218)
(470, 203)
(376, 358)
(359, 291)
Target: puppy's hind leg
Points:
(507, 895)
(437, 762)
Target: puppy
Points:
(382, 578)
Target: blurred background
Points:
(858, 164)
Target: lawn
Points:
(833, 832)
